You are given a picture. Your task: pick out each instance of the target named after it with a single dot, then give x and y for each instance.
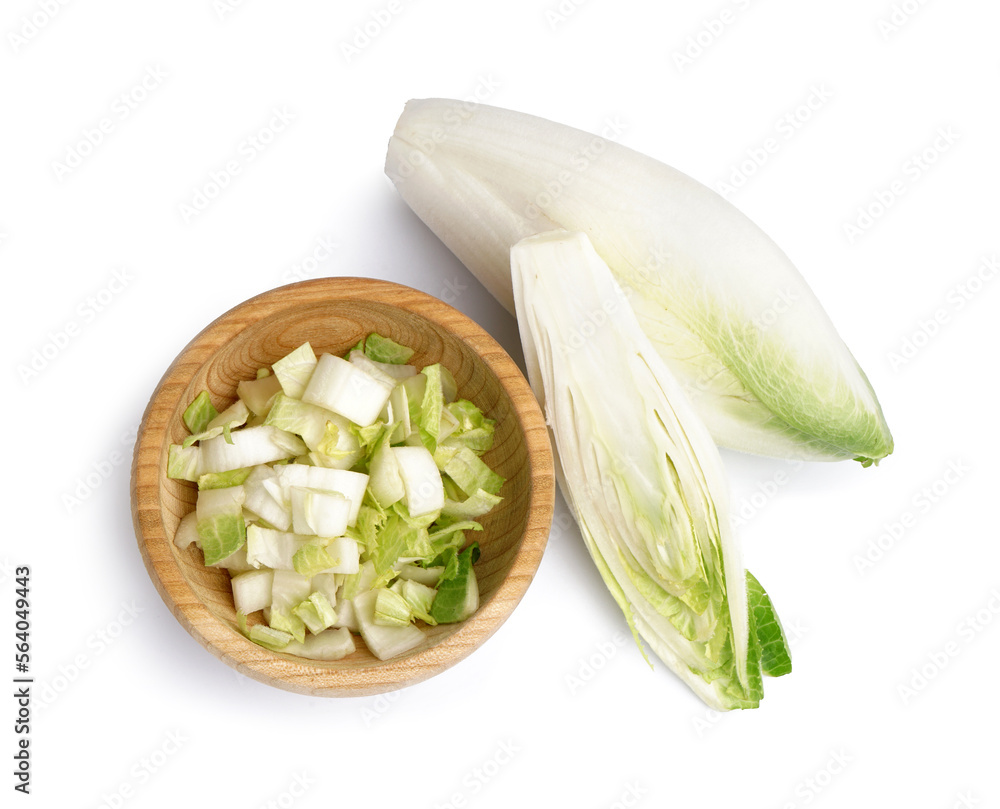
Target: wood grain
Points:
(333, 314)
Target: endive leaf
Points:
(723, 305)
(775, 658)
(640, 472)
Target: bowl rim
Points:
(296, 674)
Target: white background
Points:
(108, 279)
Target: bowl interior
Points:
(333, 315)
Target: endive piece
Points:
(723, 305)
(642, 475)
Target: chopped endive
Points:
(258, 394)
(423, 491)
(288, 589)
(236, 562)
(261, 503)
(419, 596)
(327, 584)
(381, 349)
(221, 526)
(311, 559)
(267, 547)
(252, 590)
(347, 617)
(316, 612)
(310, 422)
(397, 411)
(313, 515)
(431, 406)
(187, 530)
(350, 484)
(346, 555)
(223, 424)
(294, 370)
(472, 429)
(199, 413)
(640, 471)
(331, 644)
(458, 591)
(184, 463)
(344, 388)
(385, 484)
(224, 480)
(467, 470)
(476, 505)
(319, 512)
(285, 620)
(269, 638)
(726, 309)
(248, 447)
(371, 368)
(391, 609)
(385, 642)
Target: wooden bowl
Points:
(333, 314)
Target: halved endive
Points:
(725, 308)
(642, 475)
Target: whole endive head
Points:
(724, 307)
